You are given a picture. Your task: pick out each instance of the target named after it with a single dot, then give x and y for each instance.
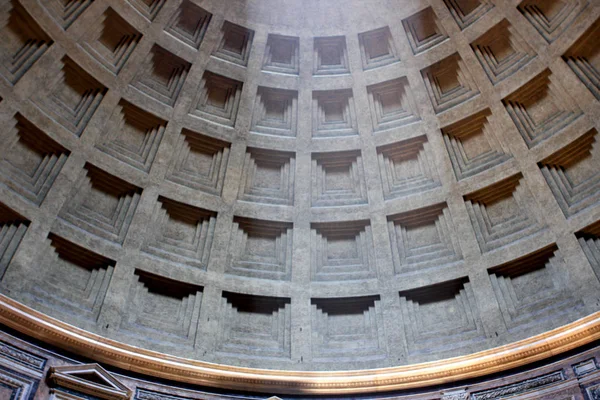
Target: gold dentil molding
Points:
(111, 352)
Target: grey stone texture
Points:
(308, 185)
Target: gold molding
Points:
(50, 330)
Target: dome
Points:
(304, 190)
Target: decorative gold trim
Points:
(121, 355)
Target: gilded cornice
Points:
(121, 355)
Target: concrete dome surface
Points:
(319, 186)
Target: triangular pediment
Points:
(90, 379)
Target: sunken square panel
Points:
(32, 161)
(584, 59)
(338, 179)
(149, 9)
(423, 239)
(66, 12)
(342, 251)
(282, 54)
(473, 146)
(189, 24)
(589, 239)
(333, 114)
(499, 213)
(573, 175)
(73, 281)
(268, 177)
(441, 317)
(407, 167)
(541, 108)
(260, 249)
(162, 75)
(23, 41)
(552, 17)
(424, 30)
(347, 329)
(330, 56)
(377, 48)
(12, 229)
(180, 233)
(392, 104)
(449, 83)
(531, 290)
(133, 136)
(199, 162)
(235, 44)
(163, 311)
(112, 41)
(275, 112)
(101, 204)
(467, 12)
(74, 97)
(255, 327)
(218, 99)
(502, 51)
